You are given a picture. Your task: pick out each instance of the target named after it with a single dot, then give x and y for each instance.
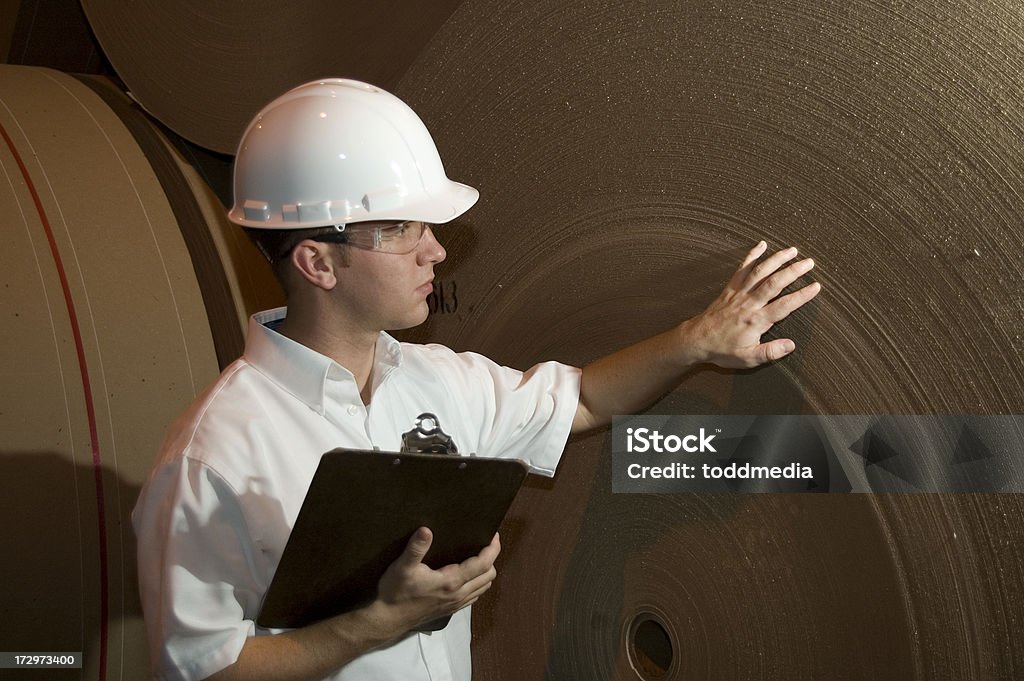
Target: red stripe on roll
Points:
(86, 389)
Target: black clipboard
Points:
(359, 513)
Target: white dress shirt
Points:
(216, 512)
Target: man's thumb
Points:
(419, 544)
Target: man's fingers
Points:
(776, 283)
(420, 594)
(754, 253)
(784, 306)
(470, 574)
(753, 272)
(482, 562)
(744, 269)
(417, 547)
(459, 587)
(473, 599)
(730, 329)
(482, 581)
(765, 352)
(777, 349)
(492, 550)
(478, 592)
(767, 267)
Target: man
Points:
(340, 184)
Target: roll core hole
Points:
(650, 647)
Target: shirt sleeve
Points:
(196, 571)
(524, 415)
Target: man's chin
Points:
(412, 321)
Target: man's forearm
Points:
(631, 379)
(312, 652)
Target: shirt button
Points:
(353, 410)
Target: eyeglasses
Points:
(397, 238)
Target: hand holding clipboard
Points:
(360, 514)
(411, 585)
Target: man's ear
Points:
(315, 262)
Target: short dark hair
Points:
(277, 245)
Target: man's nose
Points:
(430, 248)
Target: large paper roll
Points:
(626, 158)
(204, 69)
(113, 320)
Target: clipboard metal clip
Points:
(427, 437)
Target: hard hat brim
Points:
(440, 207)
(444, 207)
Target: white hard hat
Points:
(334, 152)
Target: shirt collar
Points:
(302, 371)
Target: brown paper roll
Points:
(626, 158)
(52, 33)
(105, 339)
(205, 69)
(235, 280)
